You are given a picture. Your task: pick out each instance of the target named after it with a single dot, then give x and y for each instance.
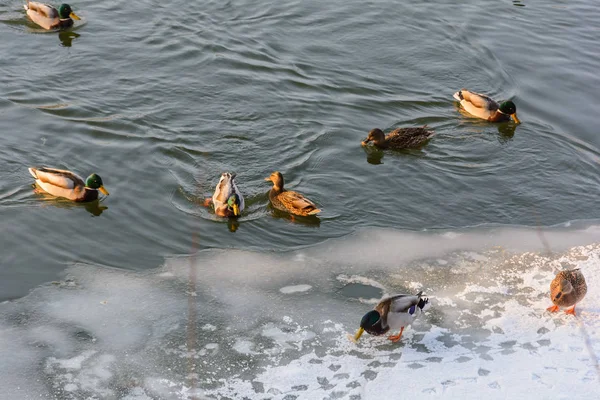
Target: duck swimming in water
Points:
(481, 106)
(401, 138)
(227, 199)
(49, 17)
(288, 200)
(63, 183)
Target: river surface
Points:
(160, 98)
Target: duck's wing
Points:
(44, 10)
(410, 137)
(403, 303)
(298, 202)
(476, 99)
(237, 191)
(57, 177)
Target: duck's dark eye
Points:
(558, 295)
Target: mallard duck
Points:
(49, 17)
(390, 314)
(567, 289)
(401, 138)
(227, 199)
(62, 183)
(481, 106)
(289, 201)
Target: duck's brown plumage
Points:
(567, 289)
(401, 138)
(289, 201)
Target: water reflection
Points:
(95, 207)
(233, 224)
(506, 131)
(311, 220)
(374, 155)
(66, 37)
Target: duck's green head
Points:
(509, 108)
(233, 204)
(370, 322)
(95, 182)
(65, 11)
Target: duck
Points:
(484, 107)
(567, 289)
(49, 17)
(67, 184)
(227, 199)
(391, 314)
(401, 138)
(289, 201)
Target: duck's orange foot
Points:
(570, 311)
(396, 338)
(207, 202)
(553, 308)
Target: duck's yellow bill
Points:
(74, 16)
(103, 191)
(357, 336)
(236, 210)
(268, 179)
(514, 117)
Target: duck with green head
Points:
(227, 199)
(391, 314)
(484, 107)
(49, 17)
(63, 183)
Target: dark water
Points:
(159, 98)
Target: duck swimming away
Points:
(481, 106)
(227, 199)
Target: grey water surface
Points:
(159, 98)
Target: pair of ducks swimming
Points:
(229, 202)
(397, 312)
(476, 104)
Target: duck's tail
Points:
(458, 96)
(26, 6)
(32, 171)
(422, 300)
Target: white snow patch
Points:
(295, 289)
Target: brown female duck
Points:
(287, 200)
(401, 138)
(567, 289)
